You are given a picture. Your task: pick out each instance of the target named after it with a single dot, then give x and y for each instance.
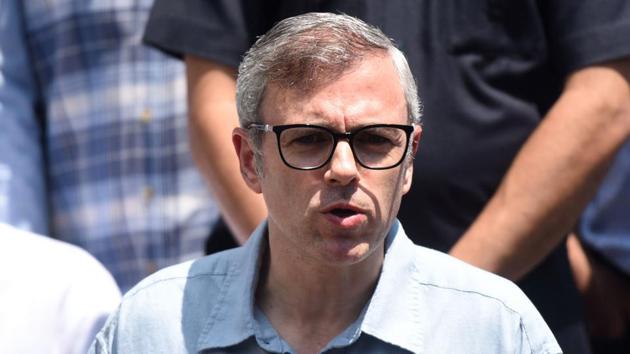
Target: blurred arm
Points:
(212, 105)
(554, 175)
(22, 188)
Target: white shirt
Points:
(54, 297)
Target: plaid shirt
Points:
(120, 179)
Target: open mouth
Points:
(343, 213)
(346, 216)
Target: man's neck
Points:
(309, 303)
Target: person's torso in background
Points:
(121, 179)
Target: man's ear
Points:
(247, 163)
(415, 143)
(415, 139)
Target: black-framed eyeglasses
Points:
(309, 147)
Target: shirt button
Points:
(146, 116)
(148, 193)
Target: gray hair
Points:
(306, 51)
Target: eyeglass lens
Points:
(374, 147)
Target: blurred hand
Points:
(605, 293)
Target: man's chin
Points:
(344, 253)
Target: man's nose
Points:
(342, 168)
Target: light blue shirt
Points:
(605, 224)
(424, 302)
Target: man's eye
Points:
(310, 139)
(374, 139)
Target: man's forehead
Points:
(369, 92)
(309, 72)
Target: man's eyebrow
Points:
(336, 130)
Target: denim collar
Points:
(233, 316)
(394, 314)
(388, 311)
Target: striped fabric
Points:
(120, 177)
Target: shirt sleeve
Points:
(534, 334)
(223, 30)
(605, 223)
(582, 33)
(218, 30)
(21, 134)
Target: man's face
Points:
(340, 213)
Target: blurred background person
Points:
(600, 259)
(526, 103)
(93, 138)
(54, 297)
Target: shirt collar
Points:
(234, 315)
(388, 318)
(394, 311)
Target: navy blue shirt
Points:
(605, 224)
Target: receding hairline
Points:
(305, 92)
(316, 56)
(308, 51)
(318, 74)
